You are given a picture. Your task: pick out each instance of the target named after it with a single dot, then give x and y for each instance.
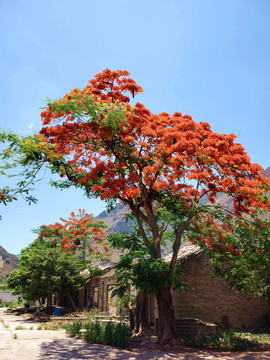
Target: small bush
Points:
(15, 336)
(93, 330)
(39, 327)
(75, 328)
(120, 336)
(226, 341)
(233, 341)
(54, 326)
(19, 327)
(108, 333)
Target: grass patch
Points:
(230, 341)
(19, 327)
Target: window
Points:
(95, 296)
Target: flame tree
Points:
(159, 165)
(78, 233)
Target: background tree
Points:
(239, 250)
(160, 166)
(45, 271)
(79, 232)
(53, 264)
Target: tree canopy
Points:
(45, 271)
(21, 170)
(79, 232)
(160, 165)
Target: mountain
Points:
(116, 219)
(267, 171)
(10, 262)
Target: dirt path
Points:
(33, 344)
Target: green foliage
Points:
(108, 334)
(242, 256)
(21, 161)
(111, 334)
(10, 304)
(137, 268)
(93, 330)
(44, 270)
(120, 336)
(19, 327)
(74, 329)
(227, 341)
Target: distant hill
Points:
(116, 219)
(267, 171)
(10, 262)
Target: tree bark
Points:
(72, 302)
(140, 320)
(166, 326)
(49, 303)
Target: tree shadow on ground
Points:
(71, 349)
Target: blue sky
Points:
(209, 59)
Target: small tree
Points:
(45, 271)
(78, 233)
(52, 264)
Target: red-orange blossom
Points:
(117, 151)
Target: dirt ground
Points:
(33, 344)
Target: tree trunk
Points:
(49, 303)
(72, 302)
(140, 320)
(166, 326)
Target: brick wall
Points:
(101, 286)
(212, 299)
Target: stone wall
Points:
(209, 299)
(212, 299)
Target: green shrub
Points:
(227, 341)
(93, 330)
(108, 333)
(19, 327)
(233, 341)
(100, 338)
(74, 329)
(120, 336)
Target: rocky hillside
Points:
(116, 219)
(10, 262)
(267, 171)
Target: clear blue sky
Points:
(209, 59)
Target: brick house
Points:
(209, 299)
(97, 293)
